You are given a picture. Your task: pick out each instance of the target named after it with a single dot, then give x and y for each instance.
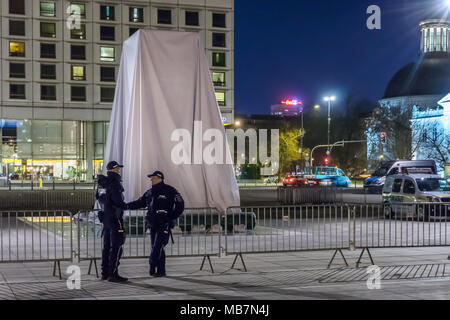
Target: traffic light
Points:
(327, 161)
(383, 137)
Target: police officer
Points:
(113, 231)
(164, 204)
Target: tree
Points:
(289, 149)
(431, 141)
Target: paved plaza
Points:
(422, 273)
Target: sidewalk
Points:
(406, 274)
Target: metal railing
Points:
(204, 232)
(36, 236)
(196, 233)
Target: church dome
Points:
(429, 76)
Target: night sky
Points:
(310, 48)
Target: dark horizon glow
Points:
(310, 49)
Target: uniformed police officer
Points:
(113, 231)
(164, 204)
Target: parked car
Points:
(295, 181)
(331, 176)
(374, 184)
(421, 196)
(273, 179)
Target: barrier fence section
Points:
(286, 229)
(403, 225)
(56, 235)
(36, 236)
(196, 233)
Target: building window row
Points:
(48, 93)
(48, 51)
(48, 72)
(107, 13)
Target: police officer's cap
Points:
(113, 164)
(156, 174)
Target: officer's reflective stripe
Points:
(161, 211)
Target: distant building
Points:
(287, 108)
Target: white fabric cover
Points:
(164, 84)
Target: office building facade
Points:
(60, 61)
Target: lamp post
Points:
(329, 99)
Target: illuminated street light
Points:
(329, 99)
(237, 123)
(317, 107)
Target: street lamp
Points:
(329, 99)
(237, 123)
(317, 107)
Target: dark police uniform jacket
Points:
(164, 204)
(113, 203)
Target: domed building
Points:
(411, 97)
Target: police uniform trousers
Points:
(158, 240)
(113, 242)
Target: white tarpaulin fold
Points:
(164, 85)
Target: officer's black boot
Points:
(152, 270)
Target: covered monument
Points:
(165, 117)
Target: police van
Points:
(374, 184)
(417, 193)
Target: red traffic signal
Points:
(383, 137)
(327, 160)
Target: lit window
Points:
(79, 73)
(48, 30)
(220, 96)
(47, 9)
(219, 78)
(80, 8)
(219, 59)
(16, 49)
(107, 13)
(107, 54)
(78, 33)
(136, 14)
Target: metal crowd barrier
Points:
(55, 236)
(196, 233)
(404, 225)
(36, 236)
(286, 229)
